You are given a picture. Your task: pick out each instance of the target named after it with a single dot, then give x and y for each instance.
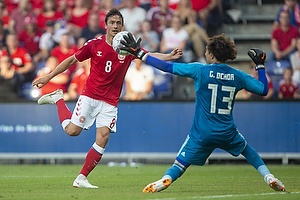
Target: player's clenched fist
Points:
(258, 57)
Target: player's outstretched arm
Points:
(133, 47)
(64, 65)
(175, 54)
(259, 57)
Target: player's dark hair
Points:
(113, 12)
(222, 48)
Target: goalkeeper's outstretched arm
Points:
(159, 64)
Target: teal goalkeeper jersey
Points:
(216, 86)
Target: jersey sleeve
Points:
(191, 70)
(84, 52)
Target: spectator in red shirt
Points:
(57, 55)
(64, 50)
(37, 6)
(106, 5)
(16, 23)
(77, 18)
(288, 89)
(160, 16)
(30, 37)
(20, 57)
(204, 8)
(48, 13)
(10, 5)
(283, 41)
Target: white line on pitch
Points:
(230, 195)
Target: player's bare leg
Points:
(92, 158)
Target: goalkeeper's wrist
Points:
(257, 67)
(141, 55)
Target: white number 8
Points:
(108, 66)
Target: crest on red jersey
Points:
(121, 57)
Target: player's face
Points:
(114, 25)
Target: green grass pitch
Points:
(207, 182)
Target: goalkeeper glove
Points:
(132, 46)
(258, 57)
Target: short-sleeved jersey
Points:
(216, 86)
(107, 71)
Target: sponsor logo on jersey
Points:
(99, 53)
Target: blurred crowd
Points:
(36, 35)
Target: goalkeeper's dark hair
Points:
(114, 12)
(222, 48)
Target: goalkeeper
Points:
(216, 86)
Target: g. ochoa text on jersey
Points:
(221, 76)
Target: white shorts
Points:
(88, 109)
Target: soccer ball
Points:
(116, 43)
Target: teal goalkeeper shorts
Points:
(193, 152)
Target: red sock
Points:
(63, 111)
(91, 160)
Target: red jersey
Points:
(284, 38)
(61, 56)
(37, 5)
(30, 42)
(11, 4)
(20, 57)
(107, 71)
(199, 5)
(80, 21)
(288, 90)
(42, 19)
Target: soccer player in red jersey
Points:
(100, 95)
